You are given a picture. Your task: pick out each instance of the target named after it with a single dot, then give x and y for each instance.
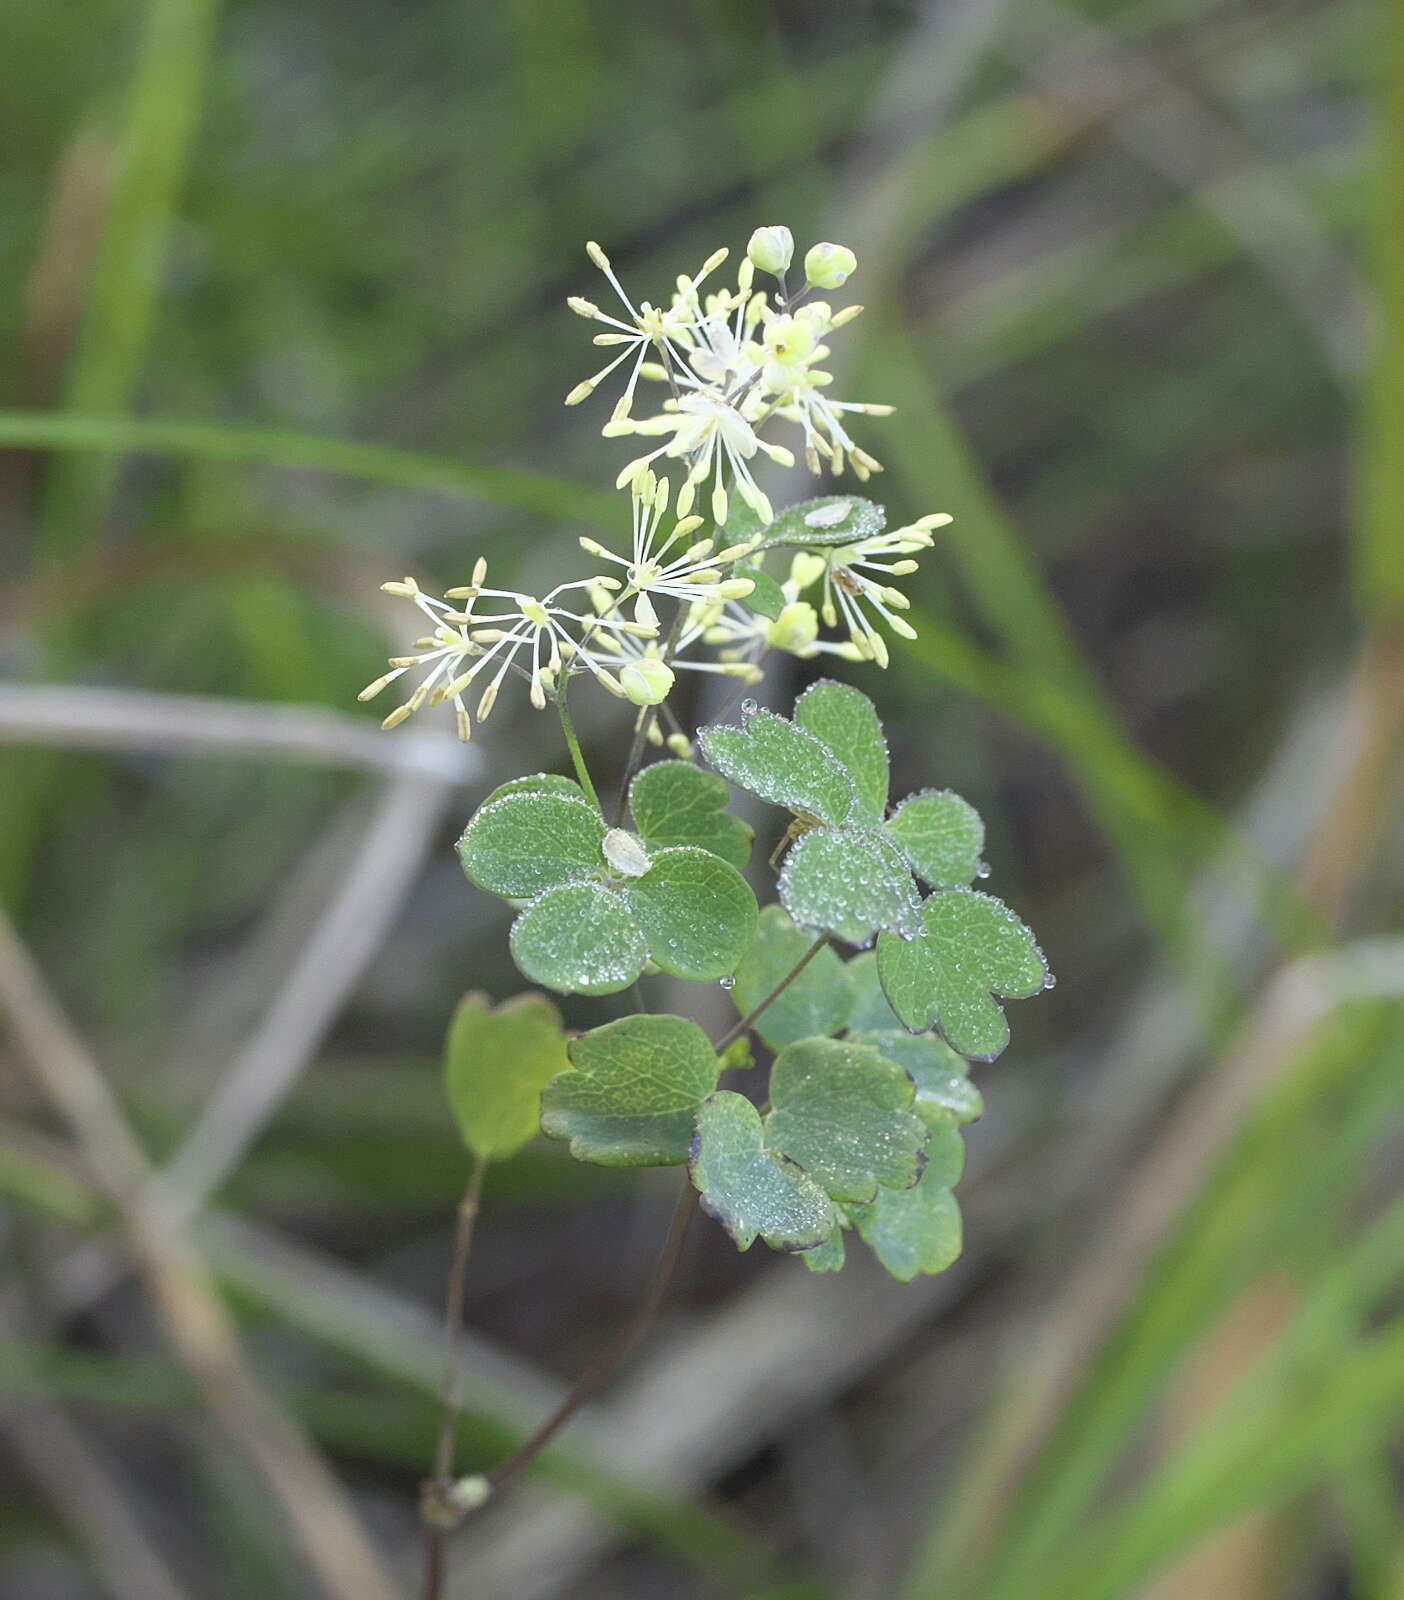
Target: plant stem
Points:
(737, 1029)
(646, 719)
(434, 1505)
(576, 754)
(604, 1368)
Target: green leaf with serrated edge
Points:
(674, 802)
(495, 1063)
(815, 1004)
(847, 721)
(941, 1076)
(814, 523)
(870, 1008)
(540, 783)
(781, 763)
(843, 1112)
(750, 1190)
(696, 912)
(829, 1256)
(632, 1099)
(521, 844)
(851, 882)
(579, 938)
(911, 1231)
(945, 1146)
(972, 946)
(941, 835)
(767, 598)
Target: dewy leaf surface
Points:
(579, 938)
(750, 1190)
(870, 1008)
(817, 1003)
(518, 845)
(829, 519)
(495, 1064)
(843, 1113)
(633, 1096)
(826, 1257)
(911, 1231)
(774, 759)
(541, 783)
(847, 721)
(676, 803)
(851, 882)
(942, 836)
(696, 912)
(941, 1076)
(973, 945)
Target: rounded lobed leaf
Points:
(772, 758)
(767, 598)
(941, 835)
(940, 1075)
(519, 844)
(829, 1256)
(912, 1231)
(846, 721)
(579, 938)
(750, 1190)
(849, 881)
(696, 913)
(817, 1003)
(972, 945)
(843, 1113)
(495, 1063)
(633, 1096)
(674, 803)
(870, 1008)
(829, 519)
(539, 783)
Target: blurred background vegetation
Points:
(281, 315)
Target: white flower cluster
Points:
(733, 360)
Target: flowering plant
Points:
(869, 1086)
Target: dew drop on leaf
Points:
(729, 981)
(749, 707)
(982, 869)
(1050, 982)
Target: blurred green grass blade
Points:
(1306, 1405)
(1292, 1164)
(1368, 1500)
(162, 113)
(405, 469)
(1379, 531)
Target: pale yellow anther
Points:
(465, 727)
(407, 589)
(372, 689)
(597, 255)
(488, 700)
(580, 392)
(736, 588)
(396, 717)
(581, 306)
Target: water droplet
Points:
(749, 707)
(982, 869)
(729, 981)
(1050, 982)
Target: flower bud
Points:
(647, 682)
(772, 250)
(829, 266)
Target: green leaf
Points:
(870, 1008)
(540, 783)
(847, 721)
(912, 1231)
(941, 1076)
(676, 803)
(696, 912)
(815, 1004)
(495, 1063)
(819, 522)
(945, 1148)
(579, 938)
(767, 599)
(942, 836)
(851, 882)
(843, 1113)
(750, 1190)
(633, 1096)
(520, 844)
(972, 946)
(829, 1256)
(781, 763)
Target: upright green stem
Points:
(733, 1033)
(576, 754)
(646, 720)
(437, 1513)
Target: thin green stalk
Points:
(733, 1033)
(576, 754)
